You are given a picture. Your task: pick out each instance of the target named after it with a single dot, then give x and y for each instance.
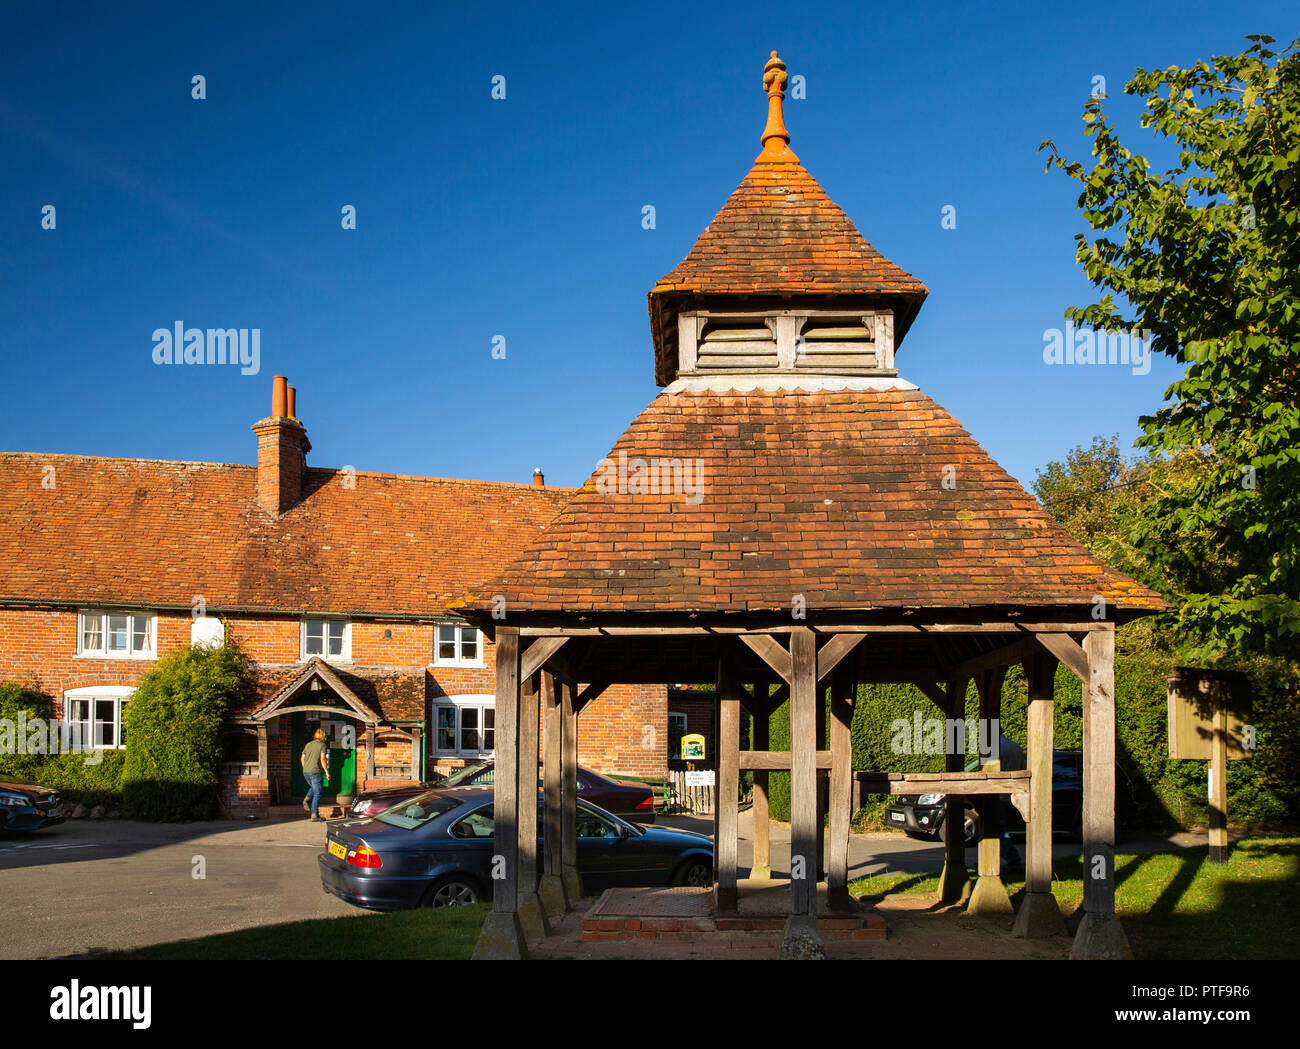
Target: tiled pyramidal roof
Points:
(850, 494)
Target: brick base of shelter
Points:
(687, 914)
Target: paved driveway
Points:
(118, 884)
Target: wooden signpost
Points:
(1207, 721)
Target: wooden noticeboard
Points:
(1195, 699)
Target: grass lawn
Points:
(429, 934)
(1177, 904)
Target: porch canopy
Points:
(789, 519)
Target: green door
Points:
(342, 762)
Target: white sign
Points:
(700, 779)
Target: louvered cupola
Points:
(781, 283)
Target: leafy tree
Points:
(173, 747)
(1206, 256)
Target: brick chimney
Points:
(282, 448)
(538, 480)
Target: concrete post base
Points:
(572, 884)
(954, 885)
(1039, 917)
(802, 939)
(989, 897)
(531, 916)
(501, 939)
(550, 890)
(1100, 938)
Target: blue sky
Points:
(522, 217)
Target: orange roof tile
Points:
(838, 497)
(148, 533)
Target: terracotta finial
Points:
(776, 139)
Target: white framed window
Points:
(455, 645)
(327, 638)
(97, 711)
(464, 726)
(117, 635)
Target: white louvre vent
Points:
(736, 345)
(821, 342)
(834, 344)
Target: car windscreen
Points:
(418, 811)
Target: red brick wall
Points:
(624, 731)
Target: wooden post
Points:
(822, 783)
(551, 887)
(531, 915)
(261, 752)
(417, 752)
(502, 936)
(1100, 934)
(569, 793)
(990, 895)
(761, 870)
(802, 938)
(843, 695)
(727, 797)
(1039, 915)
(954, 882)
(1219, 779)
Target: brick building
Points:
(334, 582)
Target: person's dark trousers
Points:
(313, 790)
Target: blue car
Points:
(435, 850)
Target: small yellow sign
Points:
(693, 747)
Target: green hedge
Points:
(173, 754)
(1265, 789)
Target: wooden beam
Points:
(551, 886)
(1039, 915)
(803, 771)
(569, 792)
(761, 868)
(769, 650)
(727, 795)
(843, 688)
(505, 890)
(936, 693)
(1068, 651)
(778, 760)
(839, 646)
(1003, 656)
(536, 655)
(589, 693)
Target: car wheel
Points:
(455, 890)
(695, 872)
(971, 827)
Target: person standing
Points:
(315, 769)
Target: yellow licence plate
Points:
(339, 850)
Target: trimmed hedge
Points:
(1264, 789)
(173, 754)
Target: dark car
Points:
(24, 807)
(435, 850)
(632, 801)
(922, 815)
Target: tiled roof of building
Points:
(152, 533)
(854, 500)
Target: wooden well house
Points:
(790, 519)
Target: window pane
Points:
(118, 631)
(489, 734)
(446, 644)
(469, 728)
(91, 636)
(446, 728)
(142, 633)
(105, 723)
(469, 644)
(121, 732)
(336, 639)
(313, 638)
(77, 714)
